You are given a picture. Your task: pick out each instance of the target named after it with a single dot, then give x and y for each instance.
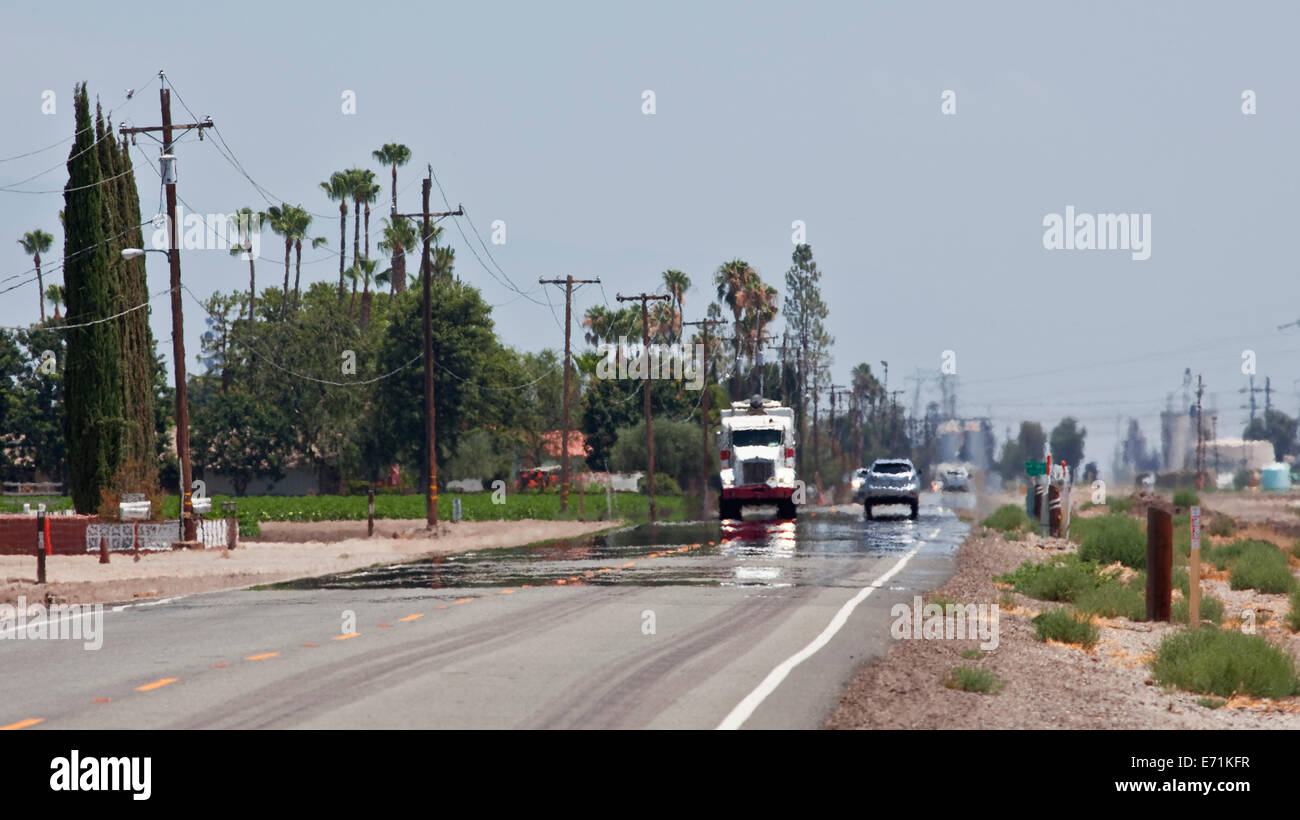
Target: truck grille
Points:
(757, 472)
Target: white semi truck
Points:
(756, 446)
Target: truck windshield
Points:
(756, 438)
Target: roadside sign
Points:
(1036, 467)
(1196, 528)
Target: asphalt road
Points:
(644, 628)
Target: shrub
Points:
(664, 485)
(1120, 506)
(973, 679)
(1110, 538)
(1265, 571)
(1067, 627)
(1211, 610)
(1053, 580)
(1225, 662)
(1222, 526)
(1008, 518)
(1111, 599)
(1293, 617)
(1186, 498)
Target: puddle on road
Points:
(811, 551)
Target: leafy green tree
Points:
(1067, 443)
(470, 365)
(240, 436)
(32, 405)
(677, 450)
(92, 367)
(805, 315)
(1274, 426)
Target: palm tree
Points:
(399, 237)
(734, 279)
(299, 223)
(363, 190)
(761, 306)
(444, 259)
(677, 284)
(598, 321)
(36, 243)
(280, 218)
(244, 221)
(394, 155)
(54, 293)
(337, 188)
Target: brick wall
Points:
(67, 534)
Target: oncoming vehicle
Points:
(954, 477)
(756, 449)
(891, 481)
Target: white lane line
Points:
(741, 713)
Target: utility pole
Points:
(1200, 437)
(188, 527)
(426, 274)
(1251, 390)
(644, 298)
(568, 283)
(705, 461)
(839, 461)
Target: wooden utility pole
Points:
(568, 283)
(426, 275)
(645, 298)
(705, 461)
(188, 527)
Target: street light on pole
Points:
(188, 530)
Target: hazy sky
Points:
(928, 227)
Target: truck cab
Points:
(756, 446)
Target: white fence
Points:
(153, 536)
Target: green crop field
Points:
(252, 510)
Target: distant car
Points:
(890, 481)
(955, 479)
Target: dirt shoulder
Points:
(284, 552)
(1048, 685)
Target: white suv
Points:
(890, 481)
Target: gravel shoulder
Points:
(1049, 686)
(286, 550)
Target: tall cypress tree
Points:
(129, 289)
(91, 376)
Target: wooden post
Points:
(1160, 563)
(40, 546)
(1194, 571)
(103, 550)
(370, 512)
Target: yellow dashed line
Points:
(349, 635)
(413, 617)
(262, 656)
(158, 684)
(23, 724)
(462, 600)
(507, 592)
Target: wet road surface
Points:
(754, 624)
